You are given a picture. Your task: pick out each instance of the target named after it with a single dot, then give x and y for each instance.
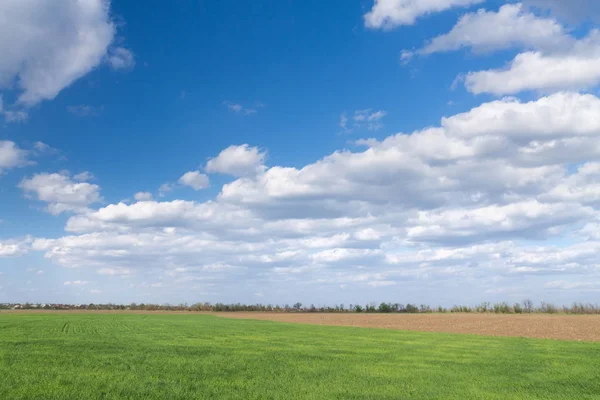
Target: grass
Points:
(128, 356)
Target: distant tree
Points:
(298, 306)
(412, 309)
(385, 308)
(424, 308)
(528, 305)
(548, 308)
(483, 307)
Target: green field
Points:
(128, 356)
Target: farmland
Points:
(544, 326)
(184, 356)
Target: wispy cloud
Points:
(362, 119)
(241, 109)
(85, 110)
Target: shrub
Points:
(502, 308)
(518, 309)
(548, 308)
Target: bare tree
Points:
(528, 305)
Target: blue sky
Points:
(436, 152)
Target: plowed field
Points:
(563, 327)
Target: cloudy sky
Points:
(425, 151)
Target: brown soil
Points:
(562, 327)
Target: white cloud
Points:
(367, 118)
(177, 213)
(61, 193)
(344, 121)
(76, 283)
(527, 220)
(116, 271)
(165, 188)
(15, 116)
(11, 116)
(121, 58)
(42, 148)
(575, 69)
(194, 179)
(11, 156)
(566, 285)
(84, 110)
(143, 196)
(553, 59)
(479, 198)
(14, 247)
(83, 176)
(388, 14)
(240, 109)
(243, 160)
(381, 283)
(510, 26)
(559, 115)
(47, 46)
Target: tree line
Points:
(525, 307)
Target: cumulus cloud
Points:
(562, 114)
(525, 220)
(574, 69)
(11, 156)
(61, 192)
(14, 247)
(510, 26)
(388, 14)
(176, 213)
(483, 195)
(194, 179)
(143, 196)
(448, 200)
(242, 160)
(553, 58)
(48, 46)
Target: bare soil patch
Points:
(561, 327)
